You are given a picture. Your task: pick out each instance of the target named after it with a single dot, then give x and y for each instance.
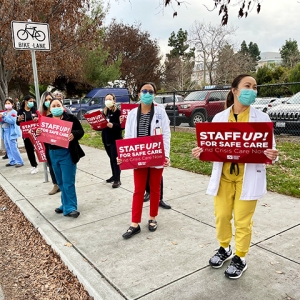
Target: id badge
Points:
(158, 130)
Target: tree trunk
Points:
(5, 77)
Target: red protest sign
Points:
(55, 131)
(125, 109)
(142, 152)
(28, 126)
(235, 141)
(38, 146)
(96, 119)
(1, 111)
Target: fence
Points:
(280, 101)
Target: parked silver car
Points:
(168, 98)
(277, 102)
(262, 103)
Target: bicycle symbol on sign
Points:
(38, 34)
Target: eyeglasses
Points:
(151, 92)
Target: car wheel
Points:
(80, 115)
(197, 117)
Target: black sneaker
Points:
(131, 231)
(220, 257)
(236, 268)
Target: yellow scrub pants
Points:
(226, 203)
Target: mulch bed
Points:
(29, 268)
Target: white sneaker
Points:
(34, 170)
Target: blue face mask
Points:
(57, 111)
(47, 103)
(247, 96)
(30, 104)
(147, 98)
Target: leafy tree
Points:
(227, 66)
(178, 66)
(244, 48)
(97, 71)
(177, 74)
(254, 51)
(42, 89)
(250, 55)
(295, 77)
(264, 75)
(230, 63)
(272, 73)
(139, 54)
(72, 24)
(208, 40)
(290, 53)
(180, 45)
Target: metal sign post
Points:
(35, 77)
(34, 37)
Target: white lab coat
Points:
(160, 119)
(254, 180)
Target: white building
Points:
(269, 58)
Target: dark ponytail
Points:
(230, 97)
(229, 100)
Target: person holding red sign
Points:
(110, 134)
(28, 112)
(11, 132)
(44, 110)
(64, 160)
(147, 120)
(236, 187)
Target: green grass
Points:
(282, 177)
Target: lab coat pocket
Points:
(260, 180)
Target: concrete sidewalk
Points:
(171, 263)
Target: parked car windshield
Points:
(85, 100)
(294, 99)
(196, 96)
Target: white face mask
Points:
(109, 103)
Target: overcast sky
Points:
(277, 21)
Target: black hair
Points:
(26, 98)
(151, 83)
(10, 100)
(235, 83)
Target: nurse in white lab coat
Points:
(146, 120)
(236, 187)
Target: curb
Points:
(93, 281)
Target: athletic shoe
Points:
(34, 170)
(236, 268)
(220, 257)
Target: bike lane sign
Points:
(30, 36)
